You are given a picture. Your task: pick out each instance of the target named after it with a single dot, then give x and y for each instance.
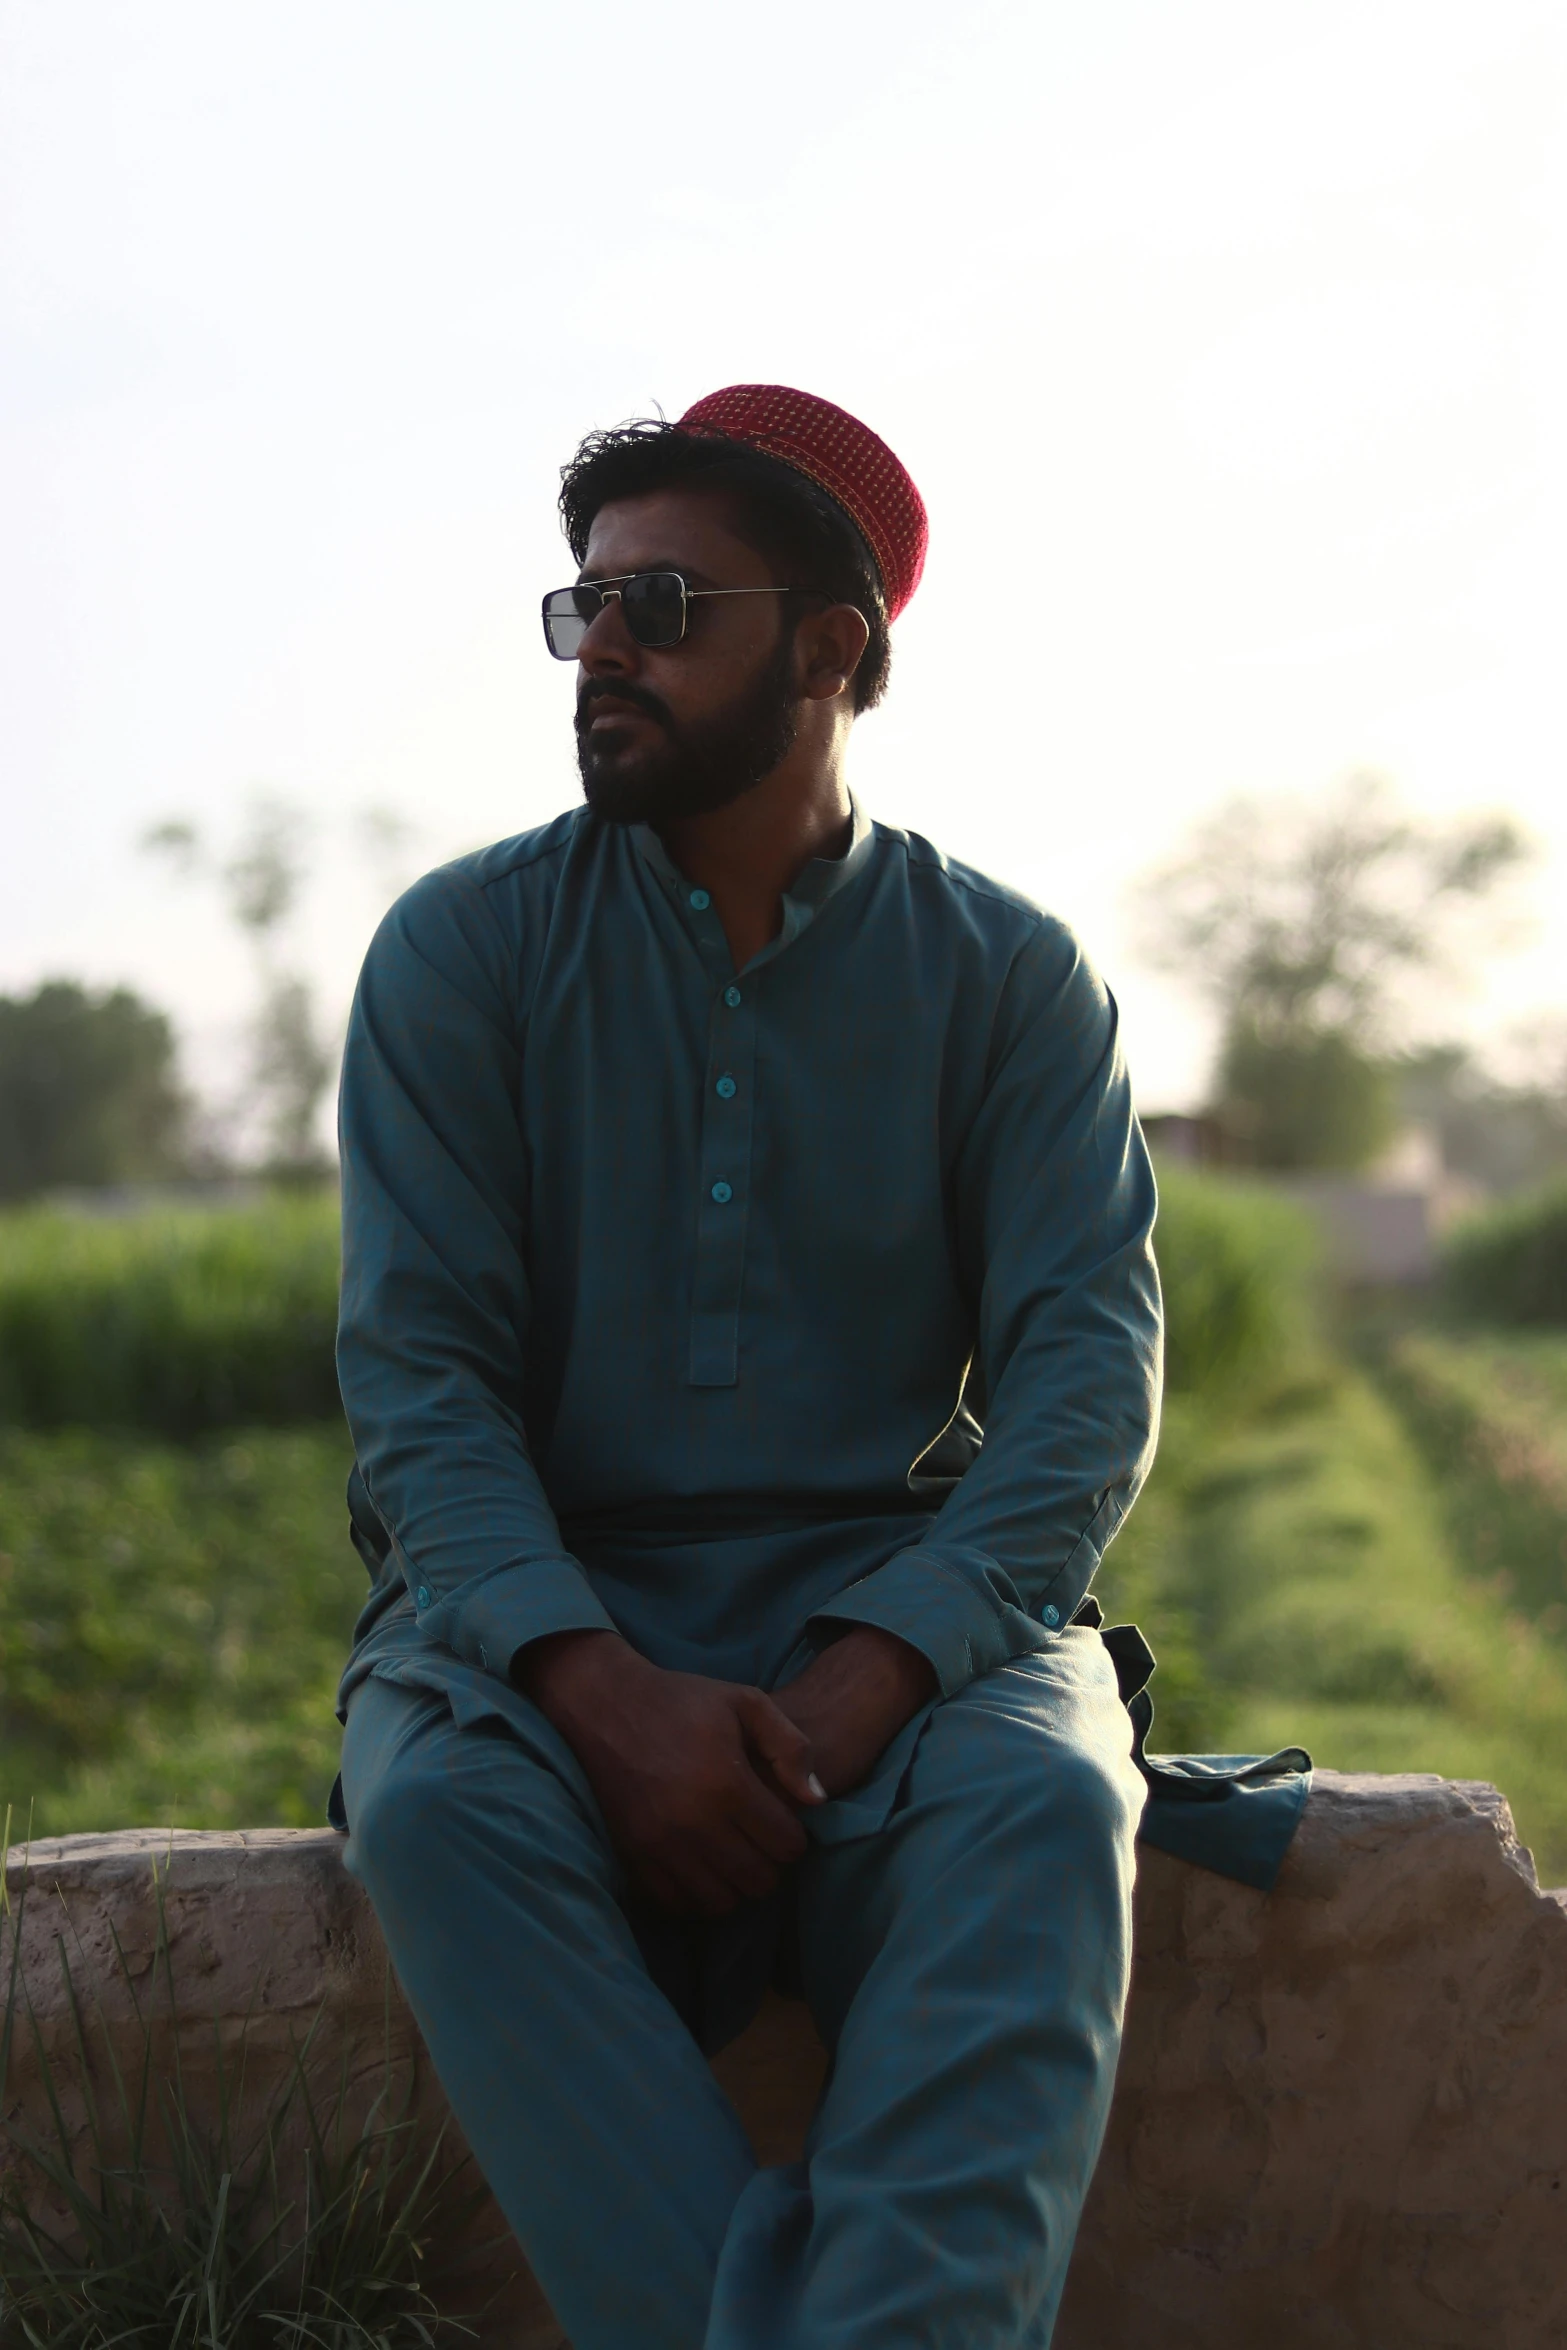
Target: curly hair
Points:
(782, 514)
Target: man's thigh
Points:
(1008, 1858)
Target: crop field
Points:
(1361, 1548)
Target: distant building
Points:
(1381, 1228)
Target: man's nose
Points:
(608, 649)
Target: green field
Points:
(1354, 1542)
(173, 1620)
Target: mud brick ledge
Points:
(1340, 2122)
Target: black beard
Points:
(697, 768)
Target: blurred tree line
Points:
(90, 1092)
(1323, 937)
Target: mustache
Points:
(597, 689)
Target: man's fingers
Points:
(703, 1886)
(742, 1865)
(785, 1749)
(772, 1826)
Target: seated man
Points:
(751, 1342)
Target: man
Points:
(751, 1342)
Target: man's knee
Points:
(402, 1804)
(1053, 1785)
(432, 1802)
(420, 1791)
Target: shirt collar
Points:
(821, 879)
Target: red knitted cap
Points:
(843, 457)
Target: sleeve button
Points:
(422, 1595)
(1051, 1616)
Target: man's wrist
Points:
(905, 1669)
(557, 1670)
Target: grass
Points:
(1297, 1560)
(304, 2229)
(173, 1620)
(1363, 1557)
(1489, 1413)
(174, 1323)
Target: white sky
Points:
(1226, 341)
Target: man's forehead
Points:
(683, 529)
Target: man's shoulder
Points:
(478, 911)
(493, 886)
(543, 847)
(970, 895)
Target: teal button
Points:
(1051, 1616)
(723, 1193)
(422, 1595)
(731, 997)
(726, 1089)
(699, 901)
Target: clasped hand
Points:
(701, 1782)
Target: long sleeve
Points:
(434, 1324)
(1054, 1207)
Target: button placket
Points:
(724, 1187)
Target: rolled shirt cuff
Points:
(487, 1623)
(964, 1623)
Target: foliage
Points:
(1507, 1133)
(1295, 1564)
(1510, 1263)
(182, 2238)
(173, 1622)
(1365, 1562)
(291, 1068)
(1304, 930)
(87, 1090)
(1237, 1266)
(1311, 1099)
(1307, 920)
(260, 880)
(178, 1323)
(1490, 1417)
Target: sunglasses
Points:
(655, 606)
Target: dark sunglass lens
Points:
(654, 603)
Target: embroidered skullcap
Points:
(843, 457)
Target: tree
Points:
(1305, 928)
(290, 1063)
(88, 1090)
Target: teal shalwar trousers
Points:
(963, 1928)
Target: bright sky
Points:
(1227, 342)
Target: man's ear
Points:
(833, 644)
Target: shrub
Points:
(306, 2229)
(1237, 1265)
(1510, 1264)
(176, 1322)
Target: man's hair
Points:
(802, 532)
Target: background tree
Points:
(290, 1060)
(88, 1090)
(1306, 930)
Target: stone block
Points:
(1340, 2121)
